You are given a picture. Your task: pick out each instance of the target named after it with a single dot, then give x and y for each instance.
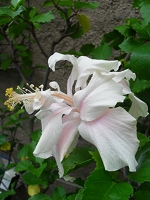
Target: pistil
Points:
(64, 96)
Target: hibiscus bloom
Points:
(93, 116)
(91, 112)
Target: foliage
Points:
(131, 44)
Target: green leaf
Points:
(42, 18)
(143, 32)
(86, 49)
(33, 12)
(2, 139)
(79, 195)
(40, 197)
(145, 12)
(97, 158)
(31, 179)
(84, 22)
(99, 186)
(143, 170)
(130, 44)
(15, 3)
(59, 193)
(36, 135)
(102, 52)
(71, 197)
(142, 138)
(16, 30)
(125, 30)
(141, 195)
(5, 194)
(79, 5)
(139, 85)
(140, 61)
(76, 31)
(37, 171)
(27, 151)
(77, 158)
(114, 38)
(5, 64)
(23, 165)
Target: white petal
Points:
(100, 94)
(51, 132)
(114, 135)
(138, 107)
(87, 66)
(56, 155)
(118, 76)
(28, 106)
(69, 137)
(57, 57)
(43, 100)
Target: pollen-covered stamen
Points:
(64, 96)
(26, 96)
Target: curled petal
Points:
(138, 107)
(51, 132)
(57, 57)
(114, 135)
(100, 94)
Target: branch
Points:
(37, 41)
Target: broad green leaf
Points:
(125, 30)
(77, 158)
(31, 179)
(143, 32)
(27, 151)
(99, 186)
(140, 61)
(15, 3)
(42, 18)
(65, 3)
(142, 138)
(80, 4)
(23, 165)
(33, 12)
(144, 186)
(143, 170)
(40, 197)
(86, 49)
(5, 194)
(139, 195)
(84, 22)
(37, 171)
(114, 38)
(139, 85)
(97, 158)
(136, 3)
(79, 195)
(2, 139)
(59, 193)
(130, 44)
(102, 52)
(16, 30)
(5, 64)
(145, 12)
(5, 20)
(36, 135)
(76, 30)
(71, 197)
